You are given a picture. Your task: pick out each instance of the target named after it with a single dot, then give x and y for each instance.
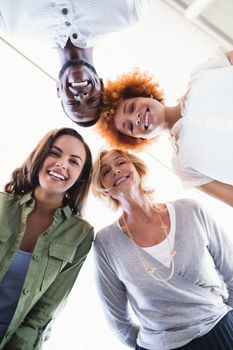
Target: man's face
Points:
(79, 88)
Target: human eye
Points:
(74, 162)
(121, 161)
(93, 100)
(54, 153)
(104, 172)
(131, 107)
(130, 127)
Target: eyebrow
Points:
(71, 155)
(117, 157)
(125, 105)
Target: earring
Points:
(67, 196)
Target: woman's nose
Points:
(61, 165)
(117, 171)
(137, 119)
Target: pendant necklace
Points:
(152, 270)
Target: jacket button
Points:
(35, 257)
(8, 334)
(64, 11)
(26, 291)
(75, 35)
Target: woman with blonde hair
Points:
(170, 262)
(44, 240)
(200, 125)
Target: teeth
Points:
(79, 84)
(147, 119)
(59, 176)
(120, 180)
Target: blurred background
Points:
(172, 38)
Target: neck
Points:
(137, 207)
(70, 52)
(47, 202)
(172, 115)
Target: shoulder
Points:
(9, 199)
(9, 196)
(192, 210)
(81, 221)
(185, 203)
(104, 237)
(187, 207)
(106, 232)
(192, 219)
(80, 224)
(219, 60)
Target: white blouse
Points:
(161, 251)
(203, 137)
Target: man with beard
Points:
(73, 28)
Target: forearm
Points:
(219, 190)
(229, 55)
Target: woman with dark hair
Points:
(43, 238)
(200, 125)
(171, 262)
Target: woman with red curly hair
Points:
(201, 124)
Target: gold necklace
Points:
(152, 269)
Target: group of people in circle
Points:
(171, 262)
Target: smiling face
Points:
(118, 174)
(79, 88)
(63, 165)
(139, 116)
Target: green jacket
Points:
(56, 261)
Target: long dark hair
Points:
(25, 178)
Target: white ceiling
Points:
(166, 44)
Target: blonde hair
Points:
(97, 186)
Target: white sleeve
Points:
(188, 176)
(113, 296)
(139, 9)
(220, 60)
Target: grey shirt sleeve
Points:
(114, 298)
(220, 246)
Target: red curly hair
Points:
(128, 85)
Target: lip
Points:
(56, 175)
(120, 180)
(77, 86)
(147, 118)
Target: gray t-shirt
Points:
(169, 314)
